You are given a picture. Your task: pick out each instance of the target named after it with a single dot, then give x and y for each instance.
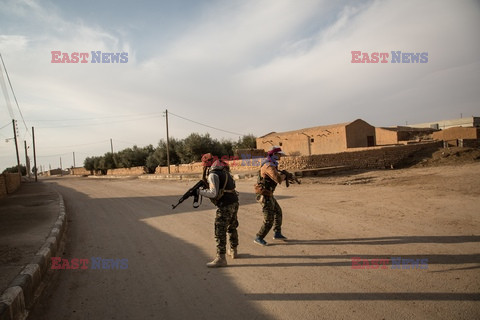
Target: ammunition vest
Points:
(266, 184)
(226, 188)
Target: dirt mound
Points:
(448, 156)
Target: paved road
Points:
(308, 277)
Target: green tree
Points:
(159, 156)
(194, 146)
(133, 157)
(14, 169)
(107, 161)
(248, 141)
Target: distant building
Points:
(446, 124)
(459, 136)
(401, 135)
(321, 140)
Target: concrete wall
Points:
(9, 183)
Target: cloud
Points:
(245, 66)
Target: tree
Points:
(133, 157)
(14, 169)
(196, 145)
(159, 156)
(246, 142)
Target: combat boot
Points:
(279, 236)
(233, 253)
(219, 261)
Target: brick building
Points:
(321, 140)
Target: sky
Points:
(226, 68)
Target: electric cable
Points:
(205, 125)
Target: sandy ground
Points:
(26, 218)
(430, 214)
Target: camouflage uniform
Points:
(268, 178)
(226, 223)
(222, 193)
(272, 216)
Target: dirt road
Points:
(429, 214)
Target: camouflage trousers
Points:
(226, 222)
(272, 216)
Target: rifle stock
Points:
(192, 192)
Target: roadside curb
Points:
(20, 294)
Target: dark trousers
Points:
(272, 217)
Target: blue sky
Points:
(242, 66)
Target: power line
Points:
(205, 125)
(14, 96)
(78, 145)
(9, 123)
(55, 155)
(142, 117)
(96, 118)
(7, 96)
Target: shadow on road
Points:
(166, 276)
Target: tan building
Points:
(459, 136)
(321, 140)
(401, 135)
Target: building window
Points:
(312, 140)
(280, 144)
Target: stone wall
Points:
(359, 158)
(372, 158)
(134, 171)
(9, 183)
(80, 171)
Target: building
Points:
(446, 124)
(401, 135)
(459, 136)
(321, 140)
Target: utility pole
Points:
(111, 145)
(27, 162)
(61, 170)
(16, 148)
(168, 143)
(74, 159)
(34, 154)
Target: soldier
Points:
(268, 178)
(221, 191)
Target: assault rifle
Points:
(192, 192)
(290, 178)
